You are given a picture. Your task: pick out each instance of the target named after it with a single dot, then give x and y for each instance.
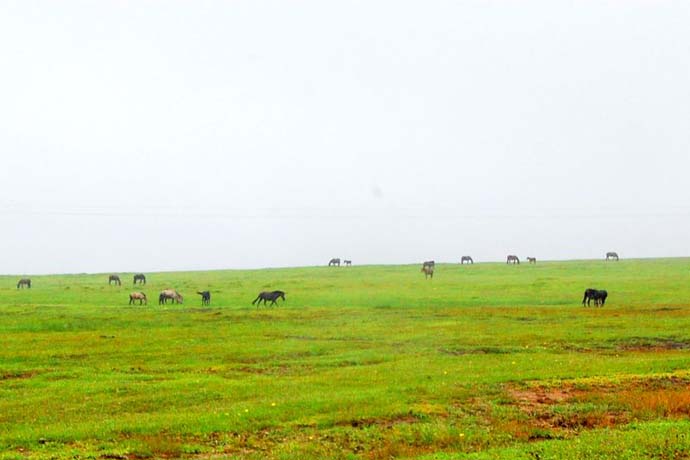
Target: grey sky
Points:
(192, 135)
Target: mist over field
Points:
(141, 137)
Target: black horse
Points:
(205, 297)
(271, 296)
(429, 263)
(467, 259)
(335, 262)
(598, 296)
(513, 259)
(532, 260)
(348, 263)
(612, 255)
(139, 277)
(115, 279)
(24, 282)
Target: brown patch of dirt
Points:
(574, 406)
(17, 375)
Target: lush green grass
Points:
(483, 361)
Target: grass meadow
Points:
(487, 361)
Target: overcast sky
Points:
(150, 135)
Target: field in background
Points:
(484, 361)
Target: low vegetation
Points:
(484, 361)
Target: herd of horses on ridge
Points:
(596, 295)
(170, 294)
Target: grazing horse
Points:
(140, 278)
(513, 259)
(169, 294)
(205, 297)
(348, 263)
(269, 295)
(334, 262)
(532, 260)
(467, 259)
(428, 271)
(114, 278)
(24, 282)
(140, 296)
(598, 296)
(612, 255)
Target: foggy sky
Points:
(140, 136)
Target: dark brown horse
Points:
(348, 263)
(140, 278)
(512, 259)
(24, 282)
(271, 296)
(335, 262)
(428, 271)
(467, 259)
(140, 296)
(612, 256)
(428, 263)
(532, 260)
(115, 279)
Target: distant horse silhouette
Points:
(598, 296)
(428, 271)
(334, 262)
(532, 260)
(513, 259)
(140, 278)
(205, 297)
(271, 296)
(467, 259)
(169, 294)
(24, 282)
(428, 263)
(611, 255)
(348, 263)
(140, 296)
(114, 278)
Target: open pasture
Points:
(371, 362)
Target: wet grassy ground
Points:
(483, 361)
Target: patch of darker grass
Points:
(652, 344)
(478, 351)
(385, 422)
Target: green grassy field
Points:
(484, 362)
